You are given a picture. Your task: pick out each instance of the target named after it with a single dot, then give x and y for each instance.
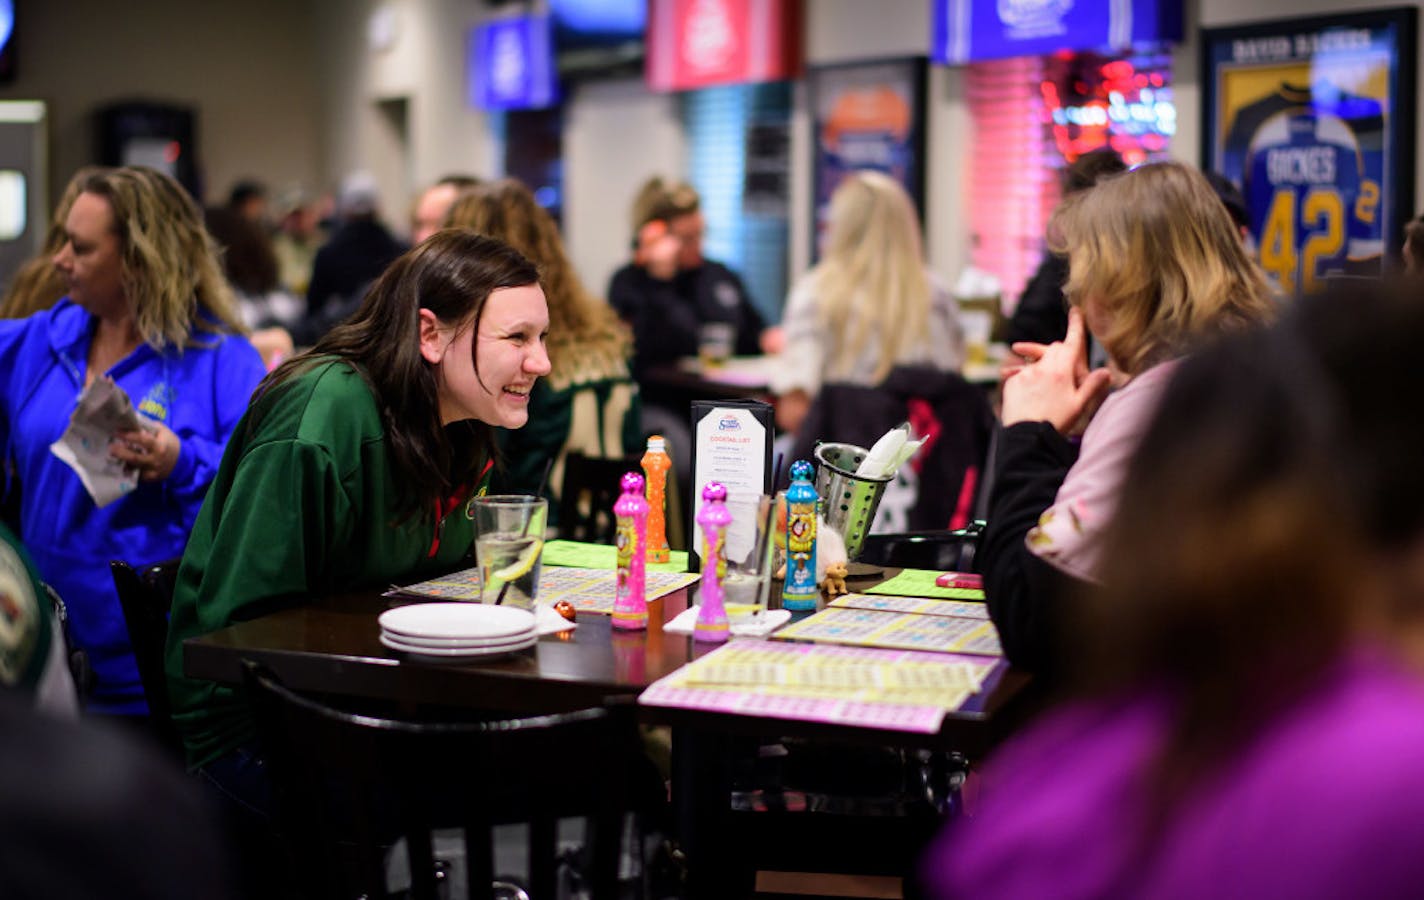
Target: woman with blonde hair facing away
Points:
(868, 306)
(1155, 267)
(38, 284)
(147, 308)
(588, 403)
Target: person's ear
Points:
(432, 338)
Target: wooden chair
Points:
(347, 786)
(591, 487)
(145, 596)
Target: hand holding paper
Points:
(103, 412)
(151, 451)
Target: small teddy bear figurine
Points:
(834, 582)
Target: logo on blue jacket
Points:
(157, 402)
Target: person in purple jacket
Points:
(147, 307)
(1249, 718)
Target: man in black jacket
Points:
(670, 290)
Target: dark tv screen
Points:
(598, 38)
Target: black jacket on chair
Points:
(953, 415)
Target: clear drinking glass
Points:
(747, 581)
(715, 342)
(509, 544)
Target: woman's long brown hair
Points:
(451, 274)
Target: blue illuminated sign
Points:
(968, 30)
(511, 64)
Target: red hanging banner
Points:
(698, 43)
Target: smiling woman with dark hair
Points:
(356, 462)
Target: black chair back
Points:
(591, 487)
(347, 786)
(940, 550)
(953, 415)
(145, 595)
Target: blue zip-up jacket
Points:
(199, 392)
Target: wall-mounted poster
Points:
(867, 115)
(1314, 120)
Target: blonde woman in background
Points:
(588, 403)
(868, 306)
(38, 284)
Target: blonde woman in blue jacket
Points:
(147, 307)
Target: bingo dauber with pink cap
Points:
(714, 517)
(630, 602)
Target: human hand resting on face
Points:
(153, 454)
(1054, 384)
(657, 250)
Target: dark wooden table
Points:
(332, 647)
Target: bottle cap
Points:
(632, 483)
(714, 491)
(656, 442)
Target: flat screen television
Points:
(598, 38)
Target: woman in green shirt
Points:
(355, 465)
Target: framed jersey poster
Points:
(1314, 120)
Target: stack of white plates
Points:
(455, 631)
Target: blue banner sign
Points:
(971, 30)
(511, 64)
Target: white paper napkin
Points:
(770, 620)
(548, 620)
(889, 453)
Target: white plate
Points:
(446, 653)
(476, 621)
(467, 643)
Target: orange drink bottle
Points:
(656, 464)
